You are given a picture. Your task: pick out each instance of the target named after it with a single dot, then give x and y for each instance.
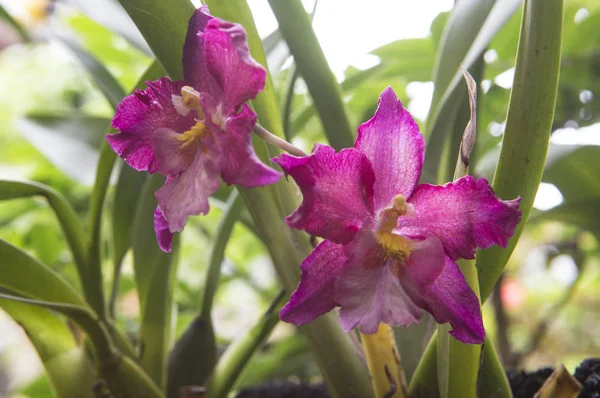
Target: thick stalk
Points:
(383, 359)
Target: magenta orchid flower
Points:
(390, 245)
(199, 130)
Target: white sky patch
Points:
(421, 94)
(581, 15)
(547, 197)
(348, 29)
(589, 135)
(505, 79)
(564, 269)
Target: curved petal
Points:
(464, 215)
(241, 166)
(369, 290)
(237, 75)
(195, 70)
(164, 237)
(448, 298)
(337, 190)
(315, 293)
(392, 142)
(171, 156)
(187, 195)
(142, 113)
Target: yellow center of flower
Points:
(190, 101)
(199, 130)
(395, 246)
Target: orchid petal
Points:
(369, 290)
(449, 299)
(187, 195)
(241, 166)
(194, 62)
(464, 215)
(172, 158)
(337, 190)
(392, 142)
(142, 113)
(161, 227)
(218, 64)
(315, 293)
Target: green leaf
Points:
(237, 355)
(528, 124)
(123, 376)
(71, 144)
(93, 286)
(295, 26)
(68, 219)
(163, 24)
(26, 276)
(67, 368)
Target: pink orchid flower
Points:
(199, 130)
(390, 245)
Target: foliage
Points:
(80, 270)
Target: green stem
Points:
(217, 254)
(92, 287)
(238, 354)
(295, 26)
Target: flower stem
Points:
(277, 141)
(383, 360)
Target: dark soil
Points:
(523, 384)
(285, 389)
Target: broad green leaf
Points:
(68, 369)
(24, 275)
(163, 24)
(68, 219)
(295, 26)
